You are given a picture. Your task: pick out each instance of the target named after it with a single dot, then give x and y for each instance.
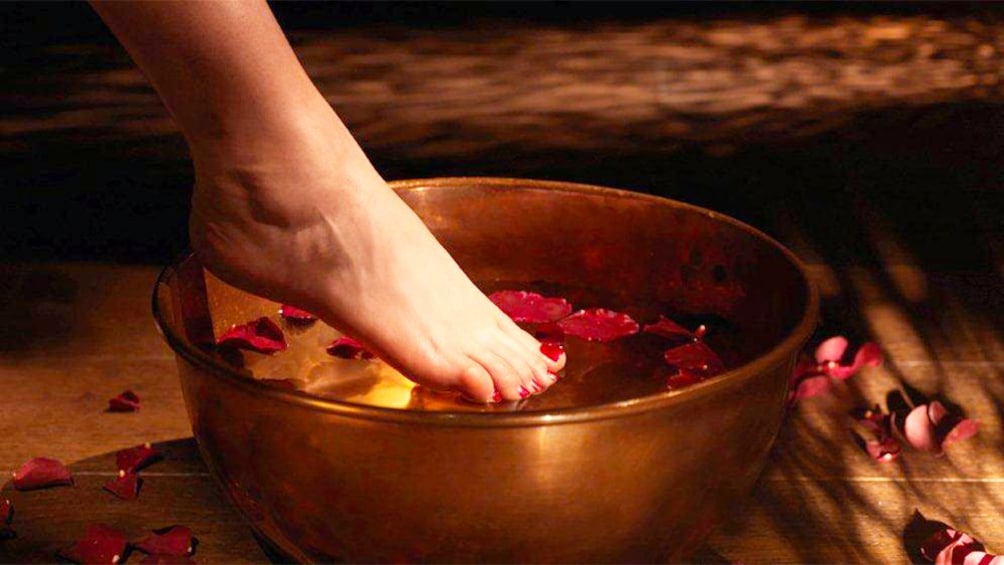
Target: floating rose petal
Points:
(261, 335)
(830, 352)
(100, 545)
(695, 358)
(348, 348)
(135, 458)
(599, 324)
(125, 486)
(669, 329)
(127, 401)
(296, 315)
(530, 307)
(173, 541)
(552, 350)
(930, 427)
(549, 333)
(41, 472)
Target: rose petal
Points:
(695, 357)
(667, 328)
(868, 354)
(171, 541)
(530, 307)
(549, 333)
(42, 472)
(938, 541)
(682, 379)
(965, 429)
(294, 314)
(261, 335)
(135, 458)
(884, 449)
(949, 427)
(832, 349)
(100, 544)
(811, 386)
(599, 324)
(919, 430)
(127, 401)
(348, 348)
(947, 546)
(125, 486)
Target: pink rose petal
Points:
(100, 545)
(261, 335)
(41, 472)
(811, 386)
(599, 324)
(135, 458)
(125, 486)
(347, 348)
(832, 349)
(868, 354)
(127, 401)
(885, 449)
(530, 307)
(296, 315)
(172, 541)
(930, 427)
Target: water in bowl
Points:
(596, 373)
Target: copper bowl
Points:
(639, 480)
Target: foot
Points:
(309, 222)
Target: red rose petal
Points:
(530, 307)
(669, 329)
(695, 357)
(868, 354)
(682, 379)
(939, 540)
(947, 546)
(348, 348)
(599, 324)
(100, 545)
(294, 314)
(127, 401)
(135, 458)
(884, 449)
(173, 541)
(552, 350)
(930, 427)
(261, 335)
(41, 472)
(811, 386)
(125, 486)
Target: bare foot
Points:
(308, 221)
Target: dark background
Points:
(75, 183)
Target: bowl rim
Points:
(791, 343)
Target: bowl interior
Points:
(599, 247)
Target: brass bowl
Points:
(640, 480)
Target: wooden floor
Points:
(890, 193)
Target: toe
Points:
(505, 377)
(534, 346)
(475, 383)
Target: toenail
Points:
(523, 392)
(554, 376)
(537, 387)
(552, 350)
(496, 396)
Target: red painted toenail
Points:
(552, 350)
(523, 393)
(554, 376)
(497, 396)
(537, 387)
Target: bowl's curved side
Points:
(324, 487)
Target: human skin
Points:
(287, 206)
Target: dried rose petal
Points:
(885, 449)
(296, 315)
(552, 350)
(42, 472)
(127, 401)
(172, 541)
(669, 329)
(100, 544)
(135, 458)
(947, 546)
(125, 486)
(695, 357)
(549, 333)
(530, 307)
(261, 335)
(599, 324)
(348, 348)
(930, 427)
